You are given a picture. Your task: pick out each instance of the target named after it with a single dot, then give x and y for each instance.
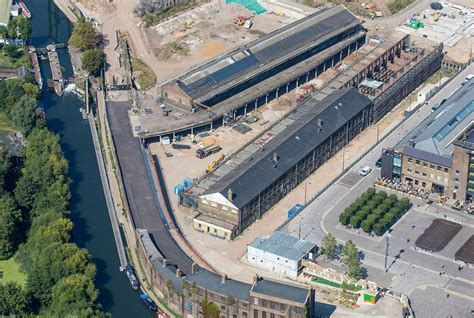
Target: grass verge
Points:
(398, 5)
(146, 77)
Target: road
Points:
(413, 269)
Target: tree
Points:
(31, 90)
(25, 113)
(74, 295)
(355, 221)
(351, 259)
(24, 27)
(209, 309)
(84, 36)
(11, 50)
(3, 32)
(349, 250)
(12, 28)
(5, 165)
(13, 300)
(345, 218)
(92, 59)
(328, 246)
(10, 218)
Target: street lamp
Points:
(305, 192)
(387, 244)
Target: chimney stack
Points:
(165, 262)
(275, 157)
(411, 142)
(178, 272)
(194, 268)
(223, 278)
(230, 194)
(319, 122)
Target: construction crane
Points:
(215, 163)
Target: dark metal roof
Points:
(427, 156)
(213, 282)
(253, 176)
(280, 43)
(279, 290)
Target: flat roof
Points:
(291, 145)
(279, 290)
(466, 252)
(284, 245)
(257, 54)
(5, 6)
(437, 132)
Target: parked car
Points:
(365, 171)
(378, 163)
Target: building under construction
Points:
(365, 86)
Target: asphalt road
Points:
(145, 210)
(412, 269)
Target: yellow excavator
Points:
(215, 163)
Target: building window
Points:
(215, 230)
(438, 168)
(458, 172)
(416, 182)
(282, 307)
(410, 159)
(244, 314)
(255, 301)
(431, 176)
(456, 179)
(423, 184)
(272, 304)
(409, 169)
(438, 178)
(456, 187)
(445, 180)
(425, 164)
(222, 308)
(446, 170)
(272, 315)
(417, 162)
(213, 204)
(255, 313)
(264, 314)
(264, 303)
(424, 174)
(432, 166)
(224, 208)
(417, 172)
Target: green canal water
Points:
(92, 229)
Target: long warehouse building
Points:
(244, 194)
(251, 76)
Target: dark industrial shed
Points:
(296, 53)
(257, 183)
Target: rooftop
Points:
(290, 146)
(427, 156)
(217, 284)
(279, 290)
(284, 245)
(438, 131)
(260, 53)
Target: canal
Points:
(92, 229)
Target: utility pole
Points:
(378, 127)
(343, 152)
(299, 228)
(387, 244)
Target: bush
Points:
(371, 192)
(355, 221)
(379, 229)
(345, 218)
(367, 225)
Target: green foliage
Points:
(3, 32)
(12, 28)
(351, 259)
(92, 59)
(84, 36)
(209, 309)
(10, 219)
(24, 28)
(328, 246)
(25, 113)
(74, 296)
(374, 211)
(11, 50)
(398, 5)
(31, 90)
(13, 300)
(5, 164)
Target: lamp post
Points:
(387, 245)
(299, 227)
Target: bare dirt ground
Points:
(200, 34)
